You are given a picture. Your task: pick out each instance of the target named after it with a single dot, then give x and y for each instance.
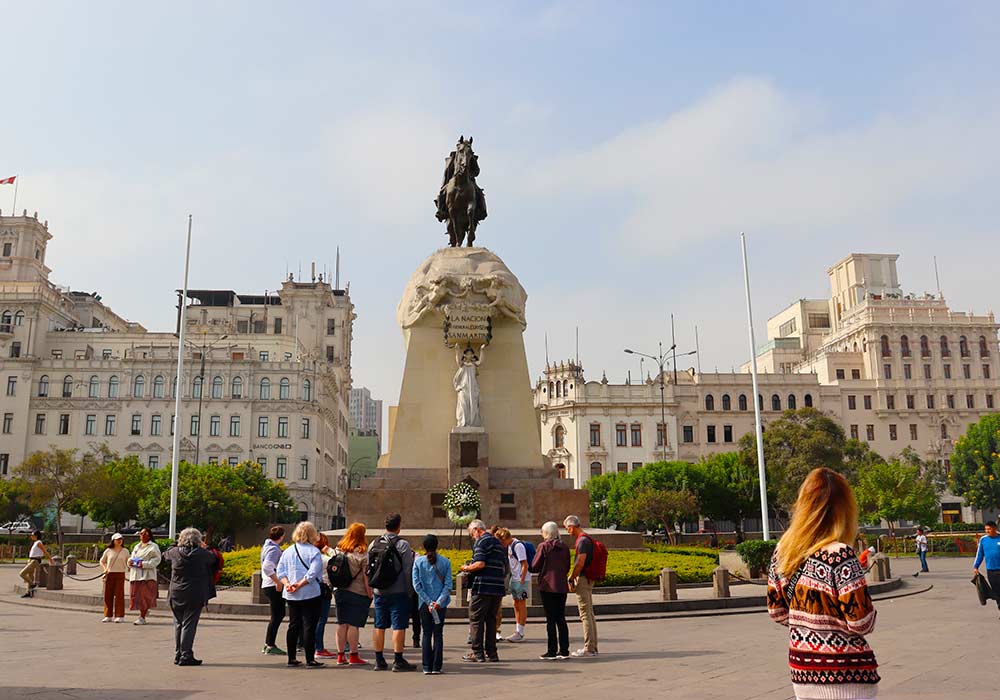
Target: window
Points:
(215, 426)
(595, 435)
(760, 402)
(154, 462)
(595, 469)
(262, 461)
(106, 354)
(67, 388)
(216, 387)
(944, 431)
(727, 404)
(560, 434)
(636, 435)
(775, 402)
(910, 402)
(970, 400)
(930, 400)
(195, 424)
(870, 432)
(281, 467)
(8, 248)
(90, 425)
(925, 346)
(262, 426)
(986, 371)
(331, 326)
(623, 467)
(741, 402)
(19, 318)
(283, 426)
(709, 402)
(40, 424)
(139, 387)
(661, 435)
(265, 388)
(854, 432)
(886, 351)
(927, 371)
(234, 426)
(904, 346)
(856, 373)
(688, 433)
(173, 423)
(890, 401)
(840, 374)
(237, 388)
(304, 468)
(984, 349)
(819, 320)
(887, 371)
(786, 328)
(947, 371)
(15, 349)
(284, 388)
(945, 352)
(331, 354)
(277, 326)
(868, 402)
(136, 424)
(94, 387)
(8, 423)
(892, 431)
(913, 431)
(636, 465)
(4, 463)
(43, 385)
(156, 424)
(173, 387)
(727, 433)
(907, 371)
(196, 387)
(64, 424)
(808, 400)
(989, 401)
(620, 438)
(305, 428)
(710, 433)
(158, 386)
(307, 390)
(264, 356)
(963, 346)
(110, 424)
(950, 401)
(852, 403)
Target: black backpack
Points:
(338, 569)
(384, 563)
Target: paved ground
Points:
(931, 645)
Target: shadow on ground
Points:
(24, 693)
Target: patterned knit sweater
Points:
(828, 611)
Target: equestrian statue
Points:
(460, 200)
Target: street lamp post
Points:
(350, 471)
(661, 359)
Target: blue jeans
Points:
(432, 642)
(324, 614)
(923, 560)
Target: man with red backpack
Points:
(591, 566)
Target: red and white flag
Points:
(9, 180)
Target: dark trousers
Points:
(483, 619)
(555, 622)
(433, 642)
(302, 618)
(277, 603)
(415, 616)
(185, 625)
(993, 576)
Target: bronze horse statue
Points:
(460, 200)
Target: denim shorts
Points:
(393, 611)
(518, 590)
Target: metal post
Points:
(673, 343)
(756, 401)
(175, 467)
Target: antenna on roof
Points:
(937, 278)
(337, 286)
(578, 346)
(697, 348)
(546, 349)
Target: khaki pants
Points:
(28, 572)
(585, 601)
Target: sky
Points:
(623, 147)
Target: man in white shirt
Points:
(921, 540)
(517, 555)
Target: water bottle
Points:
(435, 616)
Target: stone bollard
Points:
(256, 590)
(534, 597)
(71, 565)
(875, 574)
(461, 590)
(668, 584)
(42, 576)
(720, 582)
(887, 571)
(55, 578)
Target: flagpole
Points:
(13, 210)
(175, 467)
(756, 400)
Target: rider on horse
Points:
(449, 172)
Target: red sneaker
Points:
(324, 654)
(341, 659)
(356, 660)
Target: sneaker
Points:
(473, 658)
(324, 654)
(436, 673)
(402, 665)
(516, 637)
(500, 637)
(315, 664)
(140, 621)
(106, 619)
(562, 657)
(356, 661)
(548, 657)
(493, 659)
(583, 652)
(427, 672)
(380, 665)
(272, 650)
(28, 595)
(341, 660)
(119, 619)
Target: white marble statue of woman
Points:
(467, 387)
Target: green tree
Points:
(58, 478)
(653, 508)
(15, 503)
(731, 490)
(609, 492)
(214, 496)
(117, 489)
(896, 490)
(975, 464)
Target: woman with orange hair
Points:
(354, 600)
(816, 587)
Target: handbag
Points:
(983, 589)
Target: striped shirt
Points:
(490, 579)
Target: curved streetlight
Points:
(661, 359)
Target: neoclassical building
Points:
(896, 370)
(266, 376)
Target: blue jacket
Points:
(432, 582)
(989, 549)
(290, 567)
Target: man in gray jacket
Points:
(392, 597)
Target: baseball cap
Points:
(117, 536)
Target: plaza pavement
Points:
(936, 644)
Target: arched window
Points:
(558, 389)
(552, 389)
(265, 388)
(565, 387)
(237, 390)
(963, 346)
(808, 400)
(67, 391)
(173, 387)
(904, 346)
(19, 318)
(709, 402)
(139, 387)
(760, 402)
(791, 402)
(984, 349)
(595, 469)
(43, 385)
(284, 388)
(925, 346)
(216, 387)
(113, 387)
(158, 384)
(6, 320)
(307, 390)
(886, 351)
(94, 388)
(775, 402)
(742, 402)
(727, 404)
(560, 436)
(945, 352)
(944, 431)
(196, 387)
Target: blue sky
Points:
(623, 148)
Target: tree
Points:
(609, 492)
(731, 491)
(975, 464)
(15, 503)
(117, 489)
(896, 490)
(59, 479)
(652, 508)
(214, 496)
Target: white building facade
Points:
(366, 412)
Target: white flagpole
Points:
(175, 467)
(756, 401)
(13, 210)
